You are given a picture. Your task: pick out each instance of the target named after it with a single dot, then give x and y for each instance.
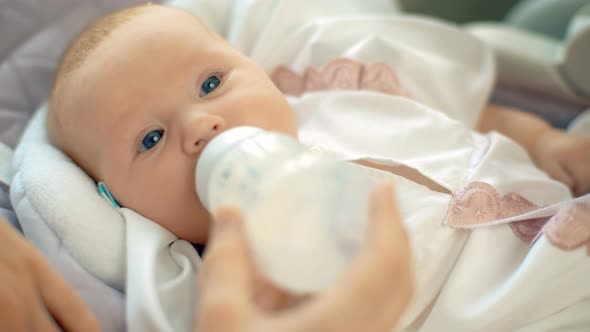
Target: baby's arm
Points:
(564, 156)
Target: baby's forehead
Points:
(162, 22)
(141, 52)
(87, 94)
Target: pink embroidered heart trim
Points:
(339, 74)
(528, 230)
(569, 229)
(479, 203)
(380, 77)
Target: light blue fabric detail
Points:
(103, 190)
(547, 17)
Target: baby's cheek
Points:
(189, 220)
(272, 113)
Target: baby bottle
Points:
(305, 212)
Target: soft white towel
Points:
(46, 191)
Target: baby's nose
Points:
(204, 129)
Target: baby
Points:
(140, 93)
(139, 123)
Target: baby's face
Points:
(147, 102)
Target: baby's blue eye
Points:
(150, 140)
(210, 84)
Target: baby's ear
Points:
(103, 191)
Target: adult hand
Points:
(33, 297)
(566, 158)
(372, 296)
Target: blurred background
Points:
(462, 11)
(542, 49)
(525, 34)
(549, 17)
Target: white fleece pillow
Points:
(55, 199)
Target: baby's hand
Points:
(566, 158)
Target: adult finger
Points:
(378, 287)
(61, 301)
(41, 320)
(387, 256)
(226, 279)
(385, 227)
(14, 315)
(23, 309)
(269, 297)
(384, 270)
